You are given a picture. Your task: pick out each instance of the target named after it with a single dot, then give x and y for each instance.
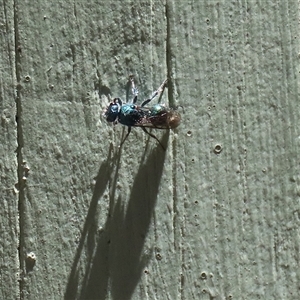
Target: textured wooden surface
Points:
(9, 223)
(216, 216)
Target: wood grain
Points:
(215, 216)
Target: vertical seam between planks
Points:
(20, 144)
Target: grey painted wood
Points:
(215, 216)
(9, 189)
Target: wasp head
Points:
(113, 110)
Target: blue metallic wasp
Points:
(129, 114)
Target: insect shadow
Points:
(115, 261)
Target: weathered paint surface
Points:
(216, 216)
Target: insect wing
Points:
(160, 117)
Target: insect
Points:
(131, 115)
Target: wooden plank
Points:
(217, 214)
(240, 210)
(9, 228)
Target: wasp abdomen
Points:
(163, 117)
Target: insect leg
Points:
(152, 135)
(128, 132)
(156, 93)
